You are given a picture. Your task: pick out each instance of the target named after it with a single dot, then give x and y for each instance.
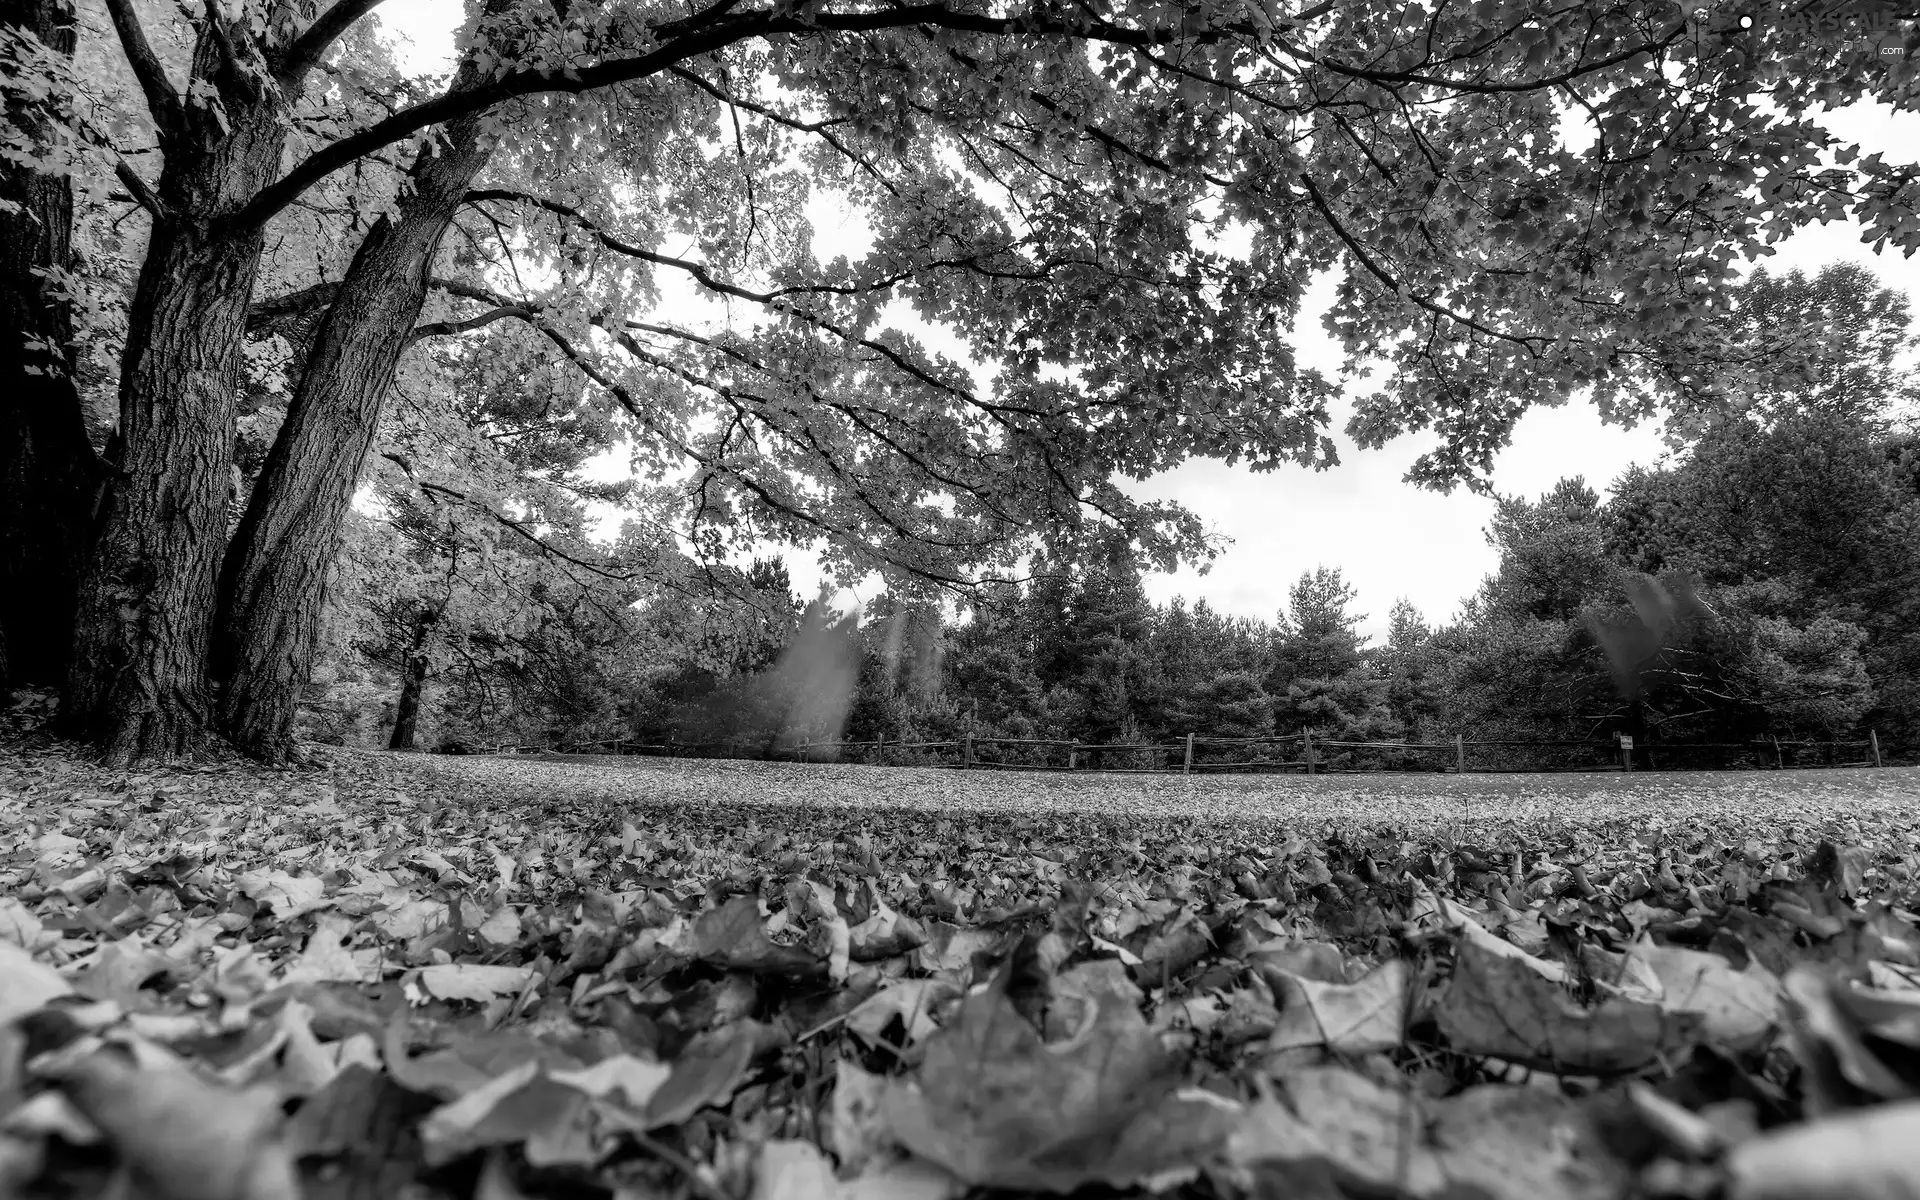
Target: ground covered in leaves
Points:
(387, 976)
(1419, 803)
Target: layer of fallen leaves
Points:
(382, 976)
(1423, 804)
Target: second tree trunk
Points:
(273, 584)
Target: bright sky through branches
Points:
(1389, 538)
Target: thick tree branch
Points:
(304, 51)
(238, 73)
(720, 26)
(265, 314)
(473, 291)
(269, 316)
(137, 187)
(716, 34)
(444, 328)
(1478, 87)
(700, 20)
(162, 100)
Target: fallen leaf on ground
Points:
(710, 1070)
(178, 1137)
(473, 981)
(997, 1106)
(912, 1002)
(1739, 1009)
(734, 936)
(1495, 1005)
(1863, 1155)
(1362, 1017)
(289, 896)
(25, 983)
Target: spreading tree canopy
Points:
(1114, 206)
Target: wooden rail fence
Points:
(1306, 752)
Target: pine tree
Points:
(1321, 678)
(1314, 637)
(1406, 662)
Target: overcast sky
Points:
(1390, 539)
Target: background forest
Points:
(1764, 581)
(479, 406)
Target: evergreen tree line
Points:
(1764, 585)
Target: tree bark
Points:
(406, 714)
(413, 681)
(137, 687)
(273, 583)
(49, 473)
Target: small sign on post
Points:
(1626, 751)
(1186, 767)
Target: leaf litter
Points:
(378, 976)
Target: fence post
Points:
(1625, 742)
(1873, 739)
(1306, 751)
(1073, 757)
(1186, 767)
(1779, 759)
(967, 757)
(1459, 755)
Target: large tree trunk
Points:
(413, 681)
(138, 687)
(49, 473)
(273, 583)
